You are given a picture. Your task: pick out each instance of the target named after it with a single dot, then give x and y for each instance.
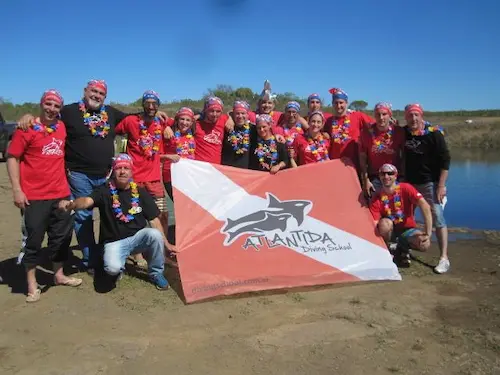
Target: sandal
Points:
(141, 263)
(34, 297)
(71, 281)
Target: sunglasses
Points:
(387, 173)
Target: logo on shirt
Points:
(383, 150)
(413, 146)
(53, 148)
(214, 137)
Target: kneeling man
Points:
(125, 210)
(393, 209)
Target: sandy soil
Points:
(426, 324)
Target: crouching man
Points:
(393, 210)
(125, 210)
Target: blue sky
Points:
(442, 53)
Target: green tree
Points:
(358, 105)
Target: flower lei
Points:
(150, 147)
(97, 124)
(180, 147)
(383, 140)
(428, 128)
(134, 209)
(39, 127)
(340, 133)
(398, 217)
(290, 135)
(240, 140)
(265, 150)
(318, 149)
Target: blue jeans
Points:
(148, 241)
(81, 185)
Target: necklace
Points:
(291, 133)
(383, 140)
(240, 140)
(39, 127)
(318, 148)
(97, 124)
(428, 128)
(150, 146)
(180, 149)
(134, 209)
(398, 217)
(340, 133)
(267, 150)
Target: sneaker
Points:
(160, 282)
(443, 266)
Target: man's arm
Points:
(20, 199)
(81, 203)
(444, 158)
(426, 212)
(156, 224)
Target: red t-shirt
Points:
(348, 146)
(409, 197)
(303, 152)
(382, 148)
(289, 133)
(209, 139)
(42, 168)
(170, 147)
(146, 168)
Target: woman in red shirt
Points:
(313, 146)
(181, 145)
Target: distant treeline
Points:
(12, 112)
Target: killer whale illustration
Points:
(273, 217)
(269, 223)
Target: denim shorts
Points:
(428, 191)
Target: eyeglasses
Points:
(387, 173)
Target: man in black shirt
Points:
(237, 142)
(125, 210)
(427, 161)
(90, 127)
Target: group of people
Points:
(61, 164)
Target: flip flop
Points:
(34, 297)
(71, 281)
(142, 263)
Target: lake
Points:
(473, 190)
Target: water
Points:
(474, 189)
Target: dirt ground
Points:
(426, 324)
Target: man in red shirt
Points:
(393, 210)
(35, 164)
(209, 132)
(314, 104)
(381, 143)
(344, 128)
(145, 145)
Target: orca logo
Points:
(274, 217)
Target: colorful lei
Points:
(428, 128)
(318, 148)
(398, 217)
(267, 150)
(150, 146)
(340, 133)
(240, 140)
(134, 209)
(39, 127)
(290, 134)
(97, 124)
(180, 149)
(382, 140)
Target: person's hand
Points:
(168, 133)
(441, 193)
(368, 188)
(425, 240)
(326, 135)
(280, 138)
(20, 199)
(266, 166)
(162, 115)
(65, 205)
(175, 158)
(25, 122)
(291, 153)
(169, 246)
(275, 169)
(229, 125)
